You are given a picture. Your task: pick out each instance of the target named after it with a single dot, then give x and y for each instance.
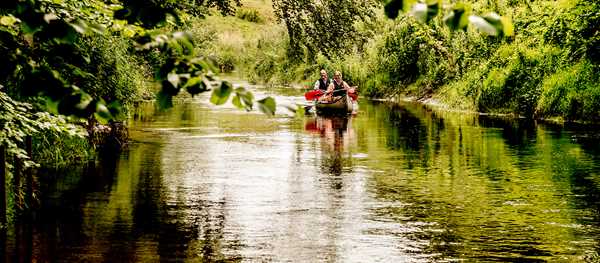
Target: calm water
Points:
(395, 183)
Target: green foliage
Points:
(250, 15)
(76, 58)
(448, 58)
(513, 83)
(37, 65)
(151, 14)
(409, 55)
(243, 99)
(577, 31)
(220, 95)
(572, 93)
(56, 150)
(459, 18)
(267, 105)
(17, 121)
(326, 27)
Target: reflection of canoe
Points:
(340, 105)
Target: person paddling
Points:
(336, 84)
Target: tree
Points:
(44, 62)
(457, 19)
(327, 27)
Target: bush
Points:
(250, 15)
(54, 150)
(512, 83)
(572, 93)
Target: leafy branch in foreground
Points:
(459, 18)
(17, 121)
(184, 70)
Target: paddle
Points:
(313, 94)
(353, 93)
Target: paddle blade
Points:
(313, 94)
(353, 94)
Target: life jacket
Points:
(337, 86)
(324, 84)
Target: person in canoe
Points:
(337, 84)
(323, 82)
(319, 88)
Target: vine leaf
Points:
(267, 105)
(458, 19)
(243, 99)
(221, 94)
(483, 25)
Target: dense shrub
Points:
(116, 74)
(572, 93)
(250, 15)
(512, 83)
(548, 68)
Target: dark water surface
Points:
(395, 183)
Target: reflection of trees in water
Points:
(519, 134)
(405, 131)
(181, 114)
(487, 184)
(85, 217)
(57, 227)
(182, 230)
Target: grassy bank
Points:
(549, 69)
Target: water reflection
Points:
(496, 195)
(396, 183)
(337, 135)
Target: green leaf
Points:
(51, 105)
(116, 109)
(182, 42)
(79, 26)
(84, 101)
(483, 25)
(164, 100)
(8, 20)
(243, 99)
(236, 101)
(102, 113)
(458, 19)
(267, 105)
(196, 85)
(97, 28)
(221, 94)
(507, 26)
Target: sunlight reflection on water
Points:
(392, 184)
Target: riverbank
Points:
(543, 72)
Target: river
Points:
(394, 183)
